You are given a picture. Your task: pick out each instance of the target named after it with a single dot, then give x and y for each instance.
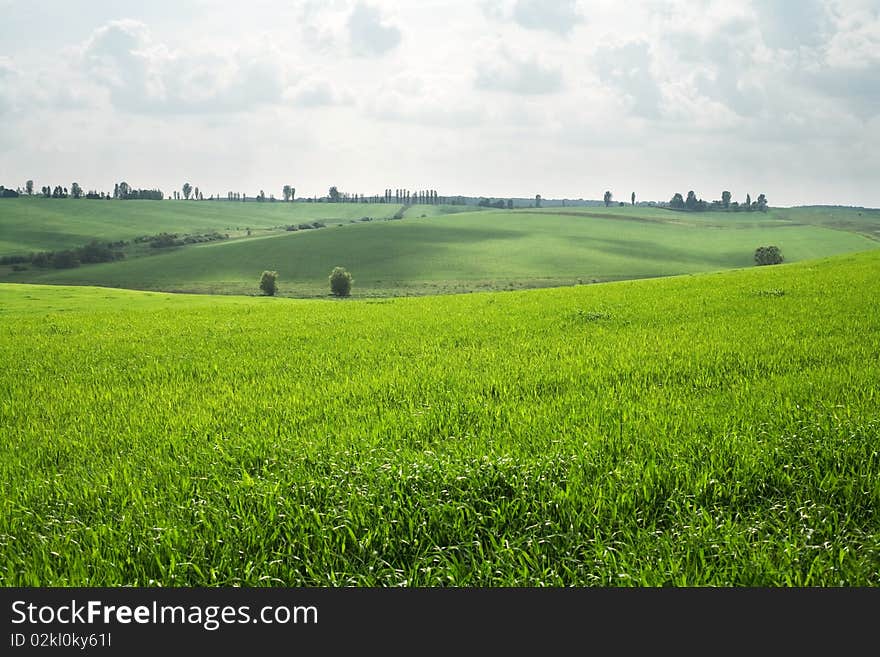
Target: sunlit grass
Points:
(699, 430)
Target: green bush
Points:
(65, 259)
(340, 282)
(768, 255)
(269, 282)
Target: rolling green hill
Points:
(38, 224)
(492, 250)
(433, 249)
(700, 430)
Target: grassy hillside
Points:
(37, 224)
(493, 250)
(858, 220)
(707, 430)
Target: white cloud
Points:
(9, 79)
(520, 75)
(439, 102)
(856, 42)
(627, 68)
(559, 16)
(368, 33)
(316, 92)
(145, 76)
(791, 24)
(555, 16)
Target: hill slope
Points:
(707, 430)
(41, 224)
(470, 252)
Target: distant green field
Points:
(858, 220)
(494, 250)
(715, 430)
(38, 224)
(432, 250)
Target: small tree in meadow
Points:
(768, 255)
(269, 283)
(340, 282)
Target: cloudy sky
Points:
(498, 98)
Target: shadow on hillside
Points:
(651, 251)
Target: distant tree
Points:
(725, 199)
(768, 255)
(196, 194)
(510, 204)
(187, 190)
(269, 282)
(29, 187)
(286, 193)
(340, 282)
(334, 194)
(607, 198)
(677, 202)
(75, 190)
(748, 203)
(262, 196)
(537, 200)
(124, 189)
(633, 198)
(761, 203)
(691, 201)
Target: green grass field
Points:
(715, 429)
(464, 252)
(37, 224)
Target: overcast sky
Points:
(496, 97)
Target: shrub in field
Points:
(164, 240)
(94, 252)
(768, 255)
(65, 259)
(340, 282)
(269, 282)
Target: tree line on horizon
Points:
(699, 205)
(124, 191)
(694, 204)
